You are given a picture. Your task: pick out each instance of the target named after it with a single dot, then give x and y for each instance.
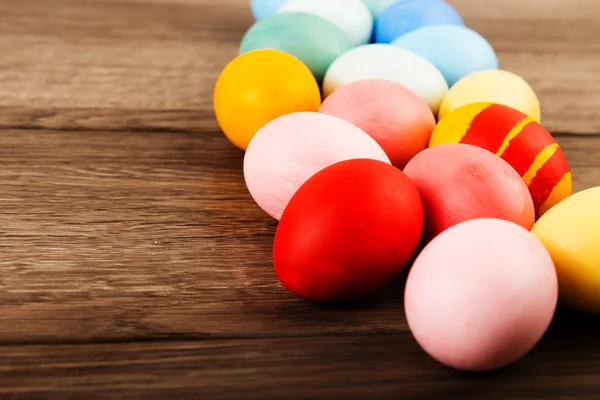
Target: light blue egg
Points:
(407, 15)
(455, 50)
(263, 8)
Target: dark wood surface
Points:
(133, 261)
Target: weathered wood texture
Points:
(133, 262)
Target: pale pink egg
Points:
(289, 150)
(481, 295)
(395, 116)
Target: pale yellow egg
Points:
(492, 86)
(571, 233)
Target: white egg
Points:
(352, 16)
(384, 61)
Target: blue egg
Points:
(264, 8)
(407, 15)
(456, 51)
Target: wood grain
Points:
(158, 56)
(296, 368)
(133, 261)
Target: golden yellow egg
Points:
(571, 233)
(259, 86)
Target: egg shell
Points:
(264, 8)
(290, 149)
(571, 233)
(407, 15)
(384, 61)
(312, 39)
(461, 182)
(455, 50)
(525, 144)
(378, 6)
(396, 117)
(258, 87)
(351, 16)
(349, 230)
(492, 86)
(481, 295)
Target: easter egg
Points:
(264, 8)
(399, 120)
(312, 39)
(292, 148)
(384, 61)
(492, 86)
(481, 295)
(461, 182)
(455, 50)
(519, 140)
(349, 230)
(258, 87)
(571, 233)
(407, 15)
(378, 6)
(351, 16)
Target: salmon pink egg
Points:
(349, 230)
(460, 182)
(481, 295)
(395, 116)
(290, 149)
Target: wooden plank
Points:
(114, 235)
(565, 365)
(155, 57)
(126, 56)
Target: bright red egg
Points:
(461, 182)
(348, 231)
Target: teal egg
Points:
(312, 39)
(378, 6)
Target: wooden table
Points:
(134, 263)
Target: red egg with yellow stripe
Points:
(522, 142)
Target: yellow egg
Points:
(493, 86)
(571, 233)
(259, 86)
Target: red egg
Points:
(349, 230)
(461, 182)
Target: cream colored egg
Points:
(384, 61)
(493, 86)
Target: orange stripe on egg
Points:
(453, 127)
(523, 150)
(560, 192)
(490, 127)
(547, 178)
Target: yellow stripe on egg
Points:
(453, 127)
(539, 162)
(513, 134)
(560, 192)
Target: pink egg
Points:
(460, 182)
(289, 150)
(481, 295)
(396, 117)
